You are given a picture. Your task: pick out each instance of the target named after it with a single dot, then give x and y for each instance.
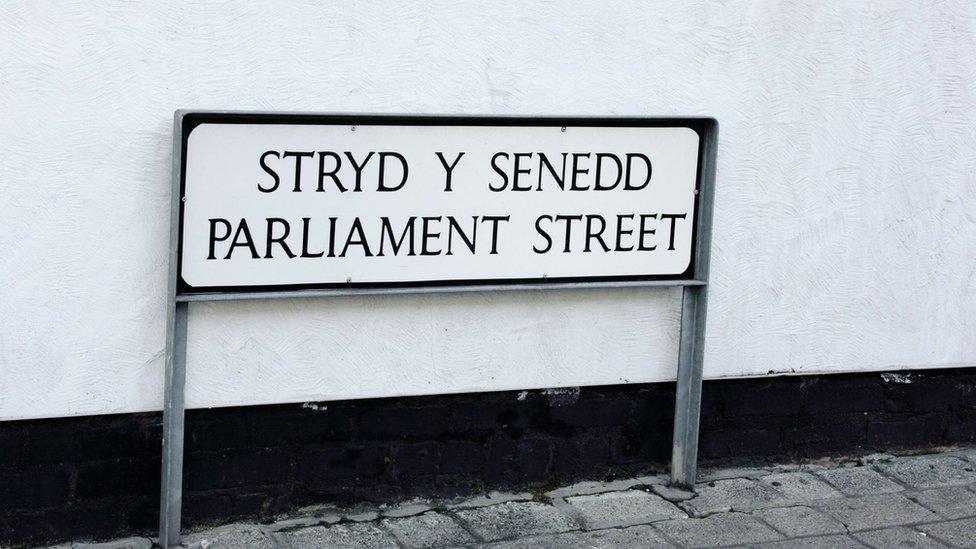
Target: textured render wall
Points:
(844, 227)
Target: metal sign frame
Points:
(693, 303)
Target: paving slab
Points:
(800, 521)
(930, 471)
(801, 486)
(968, 454)
(713, 474)
(672, 493)
(738, 494)
(368, 516)
(795, 467)
(952, 502)
(229, 537)
(594, 487)
(614, 538)
(491, 498)
(650, 480)
(898, 537)
(514, 519)
(877, 457)
(818, 542)
(127, 543)
(867, 512)
(337, 536)
(409, 508)
(716, 530)
(428, 530)
(859, 481)
(627, 508)
(958, 532)
(303, 522)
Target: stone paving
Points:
(877, 501)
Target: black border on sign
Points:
(704, 126)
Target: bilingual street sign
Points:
(273, 203)
(284, 205)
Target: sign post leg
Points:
(684, 453)
(171, 486)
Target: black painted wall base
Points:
(98, 477)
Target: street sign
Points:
(273, 203)
(277, 205)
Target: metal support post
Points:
(691, 348)
(173, 407)
(171, 482)
(684, 453)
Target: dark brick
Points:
(504, 413)
(501, 462)
(64, 441)
(99, 520)
(575, 458)
(13, 445)
(642, 440)
(203, 435)
(405, 423)
(418, 459)
(117, 477)
(475, 421)
(652, 407)
(541, 422)
(836, 395)
(303, 427)
(233, 468)
(439, 485)
(513, 417)
(738, 442)
(736, 398)
(341, 461)
(826, 434)
(225, 505)
(142, 514)
(594, 413)
(626, 448)
(929, 392)
(711, 405)
(460, 457)
(885, 431)
(534, 459)
(961, 428)
(39, 488)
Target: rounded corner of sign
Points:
(687, 272)
(183, 286)
(188, 130)
(692, 132)
(189, 122)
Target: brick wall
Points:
(98, 477)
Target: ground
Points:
(876, 501)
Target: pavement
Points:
(878, 501)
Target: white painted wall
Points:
(845, 224)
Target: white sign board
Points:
(292, 202)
